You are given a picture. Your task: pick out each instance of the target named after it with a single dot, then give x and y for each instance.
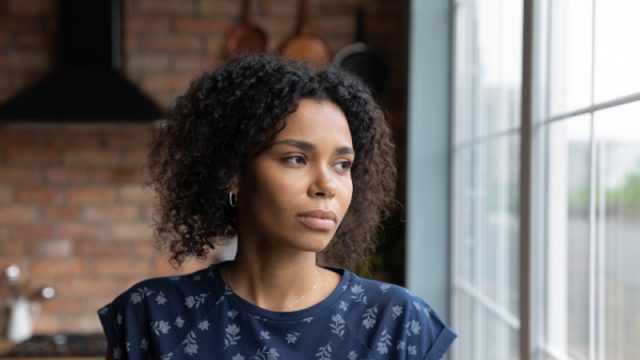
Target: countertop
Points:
(75, 347)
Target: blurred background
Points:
(518, 125)
(81, 84)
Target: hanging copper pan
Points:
(305, 45)
(246, 37)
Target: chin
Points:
(317, 243)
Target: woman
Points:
(298, 164)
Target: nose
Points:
(322, 186)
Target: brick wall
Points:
(74, 213)
(26, 38)
(73, 208)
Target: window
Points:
(585, 174)
(591, 169)
(486, 143)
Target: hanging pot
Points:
(363, 60)
(246, 37)
(305, 45)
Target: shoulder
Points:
(393, 320)
(157, 307)
(167, 290)
(369, 291)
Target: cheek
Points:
(346, 194)
(280, 191)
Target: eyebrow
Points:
(307, 146)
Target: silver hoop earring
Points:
(233, 199)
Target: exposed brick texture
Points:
(74, 212)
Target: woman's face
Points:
(296, 193)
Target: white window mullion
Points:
(549, 351)
(592, 247)
(601, 284)
(556, 323)
(501, 245)
(592, 203)
(541, 156)
(479, 253)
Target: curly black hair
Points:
(231, 114)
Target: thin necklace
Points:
(315, 286)
(297, 300)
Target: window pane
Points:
(486, 219)
(570, 62)
(501, 341)
(463, 232)
(464, 346)
(497, 220)
(486, 245)
(486, 147)
(487, 336)
(617, 52)
(464, 68)
(617, 132)
(568, 243)
(488, 68)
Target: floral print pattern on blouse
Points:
(197, 316)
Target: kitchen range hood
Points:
(86, 82)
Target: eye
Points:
(344, 165)
(295, 160)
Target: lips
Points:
(319, 219)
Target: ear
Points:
(234, 184)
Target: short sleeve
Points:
(444, 336)
(427, 337)
(155, 316)
(134, 328)
(124, 329)
(108, 320)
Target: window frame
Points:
(534, 155)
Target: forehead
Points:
(321, 120)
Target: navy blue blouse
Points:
(197, 316)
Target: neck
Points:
(275, 281)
